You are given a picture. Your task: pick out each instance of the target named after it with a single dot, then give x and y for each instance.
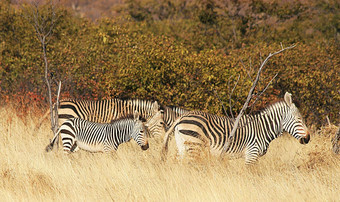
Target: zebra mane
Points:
(175, 109)
(129, 116)
(249, 118)
(268, 107)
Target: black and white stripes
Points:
(252, 137)
(104, 137)
(105, 111)
(171, 113)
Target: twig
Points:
(248, 72)
(261, 92)
(232, 92)
(219, 99)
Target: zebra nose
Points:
(145, 147)
(305, 140)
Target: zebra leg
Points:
(180, 143)
(166, 138)
(188, 144)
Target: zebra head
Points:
(155, 124)
(139, 132)
(293, 122)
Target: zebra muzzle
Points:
(145, 147)
(305, 140)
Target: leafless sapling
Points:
(44, 24)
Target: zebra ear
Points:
(162, 107)
(155, 106)
(288, 98)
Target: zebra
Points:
(336, 142)
(105, 111)
(100, 137)
(252, 137)
(171, 113)
(154, 124)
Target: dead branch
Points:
(249, 97)
(261, 92)
(248, 72)
(231, 93)
(219, 99)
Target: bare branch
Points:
(261, 92)
(55, 109)
(249, 97)
(218, 97)
(53, 19)
(229, 80)
(231, 93)
(248, 72)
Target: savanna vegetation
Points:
(288, 172)
(183, 53)
(179, 53)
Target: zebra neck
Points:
(271, 119)
(121, 132)
(267, 124)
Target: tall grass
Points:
(288, 172)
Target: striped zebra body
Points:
(105, 111)
(252, 137)
(100, 137)
(171, 113)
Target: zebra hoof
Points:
(145, 147)
(305, 140)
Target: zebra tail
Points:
(49, 147)
(166, 138)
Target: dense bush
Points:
(183, 54)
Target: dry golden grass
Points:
(288, 172)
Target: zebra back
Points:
(171, 113)
(104, 111)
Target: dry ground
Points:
(288, 172)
